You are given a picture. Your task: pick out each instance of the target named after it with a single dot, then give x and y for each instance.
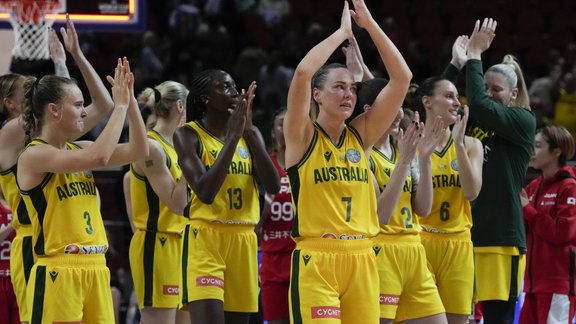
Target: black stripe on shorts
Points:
(39, 290)
(294, 286)
(149, 244)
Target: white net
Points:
(30, 25)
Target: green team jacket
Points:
(507, 135)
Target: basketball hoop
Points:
(30, 20)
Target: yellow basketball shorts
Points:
(407, 289)
(499, 273)
(334, 281)
(451, 261)
(70, 288)
(220, 262)
(21, 261)
(156, 270)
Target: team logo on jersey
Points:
(195, 232)
(53, 275)
(327, 156)
(243, 152)
(377, 249)
(88, 174)
(454, 165)
(162, 240)
(306, 258)
(353, 155)
(571, 201)
(214, 153)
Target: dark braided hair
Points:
(199, 86)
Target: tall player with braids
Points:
(333, 230)
(222, 155)
(70, 281)
(159, 193)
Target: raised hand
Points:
(408, 142)
(57, 53)
(237, 120)
(353, 61)
(70, 37)
(249, 97)
(459, 129)
(481, 37)
(459, 51)
(361, 14)
(121, 84)
(346, 21)
(126, 65)
(432, 139)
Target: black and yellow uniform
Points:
(156, 244)
(407, 289)
(21, 254)
(70, 281)
(446, 234)
(334, 217)
(507, 135)
(221, 234)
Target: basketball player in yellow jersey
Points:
(332, 188)
(159, 194)
(70, 281)
(456, 178)
(222, 156)
(12, 141)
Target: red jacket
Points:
(550, 219)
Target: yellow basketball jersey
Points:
(451, 211)
(237, 200)
(332, 189)
(565, 111)
(11, 192)
(149, 212)
(403, 221)
(65, 214)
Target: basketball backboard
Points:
(98, 15)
